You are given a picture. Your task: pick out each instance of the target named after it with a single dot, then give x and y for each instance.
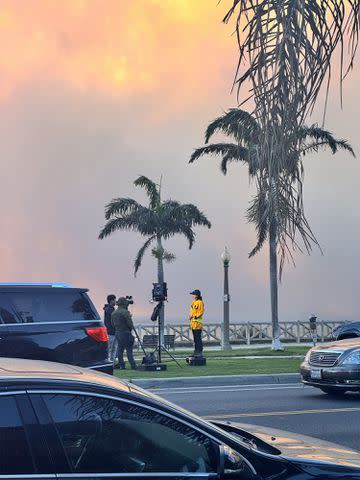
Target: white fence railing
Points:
(245, 333)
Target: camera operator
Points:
(122, 321)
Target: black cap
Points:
(196, 292)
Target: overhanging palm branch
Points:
(287, 47)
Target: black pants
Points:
(126, 342)
(198, 342)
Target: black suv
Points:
(64, 422)
(53, 322)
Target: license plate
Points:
(315, 374)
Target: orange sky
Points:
(119, 47)
(96, 92)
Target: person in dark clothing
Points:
(123, 324)
(108, 310)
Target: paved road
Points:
(290, 407)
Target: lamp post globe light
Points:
(225, 333)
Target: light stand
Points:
(225, 337)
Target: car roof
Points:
(42, 287)
(35, 284)
(23, 371)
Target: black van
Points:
(53, 322)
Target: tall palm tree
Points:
(286, 48)
(277, 209)
(158, 221)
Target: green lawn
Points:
(224, 366)
(241, 352)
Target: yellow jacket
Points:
(196, 314)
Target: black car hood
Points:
(306, 451)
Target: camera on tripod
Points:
(130, 299)
(159, 292)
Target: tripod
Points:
(160, 346)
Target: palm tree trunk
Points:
(160, 268)
(276, 344)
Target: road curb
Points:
(218, 380)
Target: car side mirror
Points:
(221, 461)
(232, 465)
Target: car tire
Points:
(333, 391)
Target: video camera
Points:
(130, 299)
(159, 292)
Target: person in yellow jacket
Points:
(196, 321)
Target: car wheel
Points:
(333, 391)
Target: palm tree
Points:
(277, 209)
(158, 221)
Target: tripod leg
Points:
(171, 356)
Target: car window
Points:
(15, 457)
(106, 436)
(7, 314)
(52, 306)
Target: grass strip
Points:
(224, 366)
(239, 352)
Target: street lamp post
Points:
(225, 334)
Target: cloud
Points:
(124, 49)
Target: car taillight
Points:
(98, 333)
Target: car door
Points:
(23, 452)
(96, 436)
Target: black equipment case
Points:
(196, 361)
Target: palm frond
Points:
(169, 257)
(113, 225)
(335, 145)
(192, 215)
(189, 234)
(143, 220)
(151, 190)
(176, 216)
(318, 136)
(141, 253)
(163, 255)
(120, 206)
(229, 151)
(258, 214)
(236, 123)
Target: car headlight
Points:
(352, 359)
